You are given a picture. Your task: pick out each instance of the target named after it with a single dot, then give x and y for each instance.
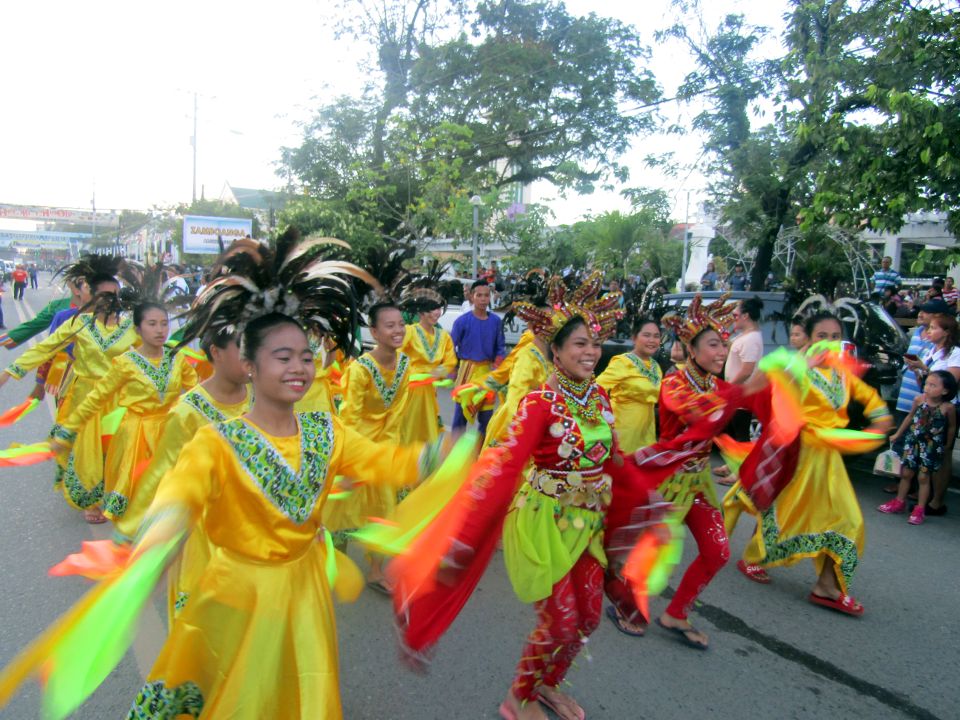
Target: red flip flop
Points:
(844, 604)
(753, 572)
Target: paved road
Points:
(773, 655)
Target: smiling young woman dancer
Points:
(633, 382)
(257, 638)
(430, 350)
(552, 520)
(817, 515)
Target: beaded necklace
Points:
(651, 372)
(700, 379)
(584, 395)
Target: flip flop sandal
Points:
(681, 633)
(726, 480)
(556, 708)
(378, 587)
(843, 604)
(507, 712)
(618, 622)
(753, 572)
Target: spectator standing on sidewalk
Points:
(951, 295)
(886, 276)
(33, 276)
(19, 282)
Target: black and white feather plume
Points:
(297, 280)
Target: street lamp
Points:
(476, 201)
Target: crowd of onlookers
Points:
(904, 301)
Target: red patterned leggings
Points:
(564, 621)
(706, 526)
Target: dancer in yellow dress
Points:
(530, 369)
(97, 338)
(633, 382)
(221, 397)
(375, 397)
(320, 396)
(430, 350)
(257, 638)
(817, 515)
(144, 384)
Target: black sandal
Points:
(683, 633)
(617, 621)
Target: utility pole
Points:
(193, 141)
(686, 240)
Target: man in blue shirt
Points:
(886, 276)
(480, 345)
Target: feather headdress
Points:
(296, 280)
(422, 292)
(153, 283)
(600, 312)
(699, 317)
(89, 267)
(386, 265)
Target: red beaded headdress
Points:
(600, 312)
(699, 317)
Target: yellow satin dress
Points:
(95, 345)
(374, 405)
(817, 514)
(193, 411)
(499, 378)
(530, 371)
(633, 385)
(257, 638)
(147, 388)
(427, 352)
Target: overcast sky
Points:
(99, 96)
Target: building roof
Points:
(253, 199)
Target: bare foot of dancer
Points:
(513, 709)
(562, 704)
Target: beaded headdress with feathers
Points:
(422, 292)
(297, 280)
(600, 311)
(153, 283)
(699, 317)
(87, 269)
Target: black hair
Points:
(799, 320)
(374, 312)
(257, 329)
(101, 278)
(218, 339)
(478, 283)
(140, 310)
(641, 321)
(818, 317)
(949, 383)
(564, 333)
(752, 308)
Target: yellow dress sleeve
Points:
(375, 463)
(875, 407)
(46, 349)
(181, 426)
(103, 393)
(449, 354)
(409, 346)
(526, 377)
(614, 374)
(357, 383)
(194, 479)
(188, 376)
